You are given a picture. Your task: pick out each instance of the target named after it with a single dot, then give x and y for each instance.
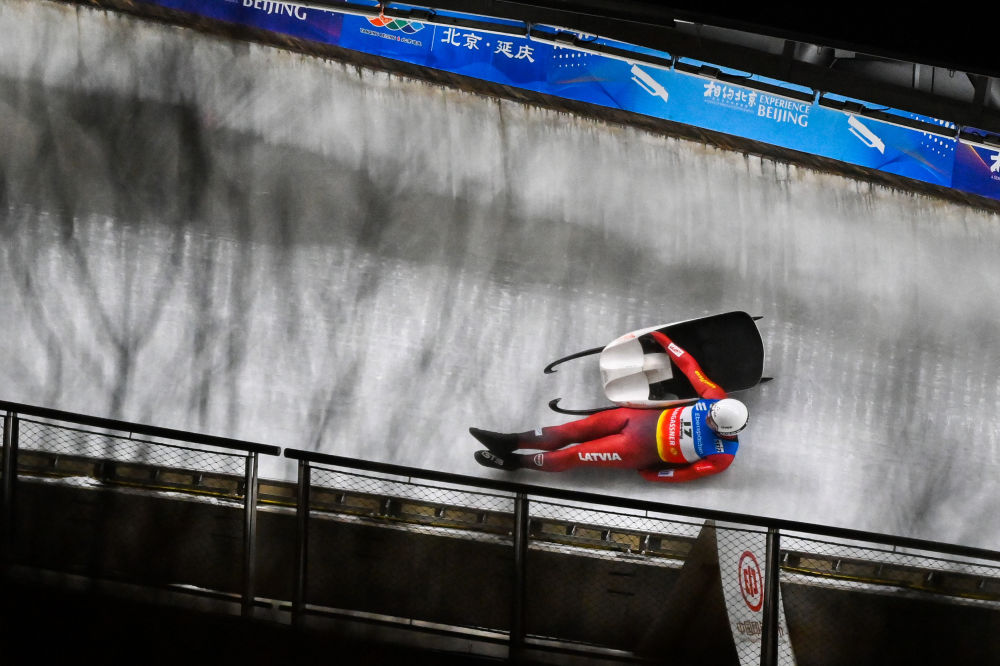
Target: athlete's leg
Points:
(613, 451)
(597, 425)
(619, 437)
(593, 427)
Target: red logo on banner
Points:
(751, 581)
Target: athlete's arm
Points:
(707, 466)
(705, 387)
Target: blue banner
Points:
(641, 81)
(977, 170)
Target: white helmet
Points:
(728, 417)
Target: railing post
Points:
(249, 534)
(11, 437)
(517, 624)
(769, 635)
(302, 543)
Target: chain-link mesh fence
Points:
(628, 583)
(868, 603)
(407, 550)
(617, 582)
(58, 444)
(6, 488)
(111, 505)
(4, 447)
(631, 583)
(599, 577)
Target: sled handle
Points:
(550, 368)
(554, 406)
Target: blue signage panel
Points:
(632, 81)
(977, 170)
(880, 145)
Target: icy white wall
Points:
(227, 238)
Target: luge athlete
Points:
(672, 445)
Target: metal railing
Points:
(597, 536)
(520, 568)
(48, 443)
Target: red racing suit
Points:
(671, 445)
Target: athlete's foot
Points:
(497, 442)
(487, 459)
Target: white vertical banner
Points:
(742, 555)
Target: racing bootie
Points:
(487, 459)
(498, 443)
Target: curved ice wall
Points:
(228, 238)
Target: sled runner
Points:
(637, 372)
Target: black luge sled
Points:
(637, 372)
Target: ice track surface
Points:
(226, 238)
